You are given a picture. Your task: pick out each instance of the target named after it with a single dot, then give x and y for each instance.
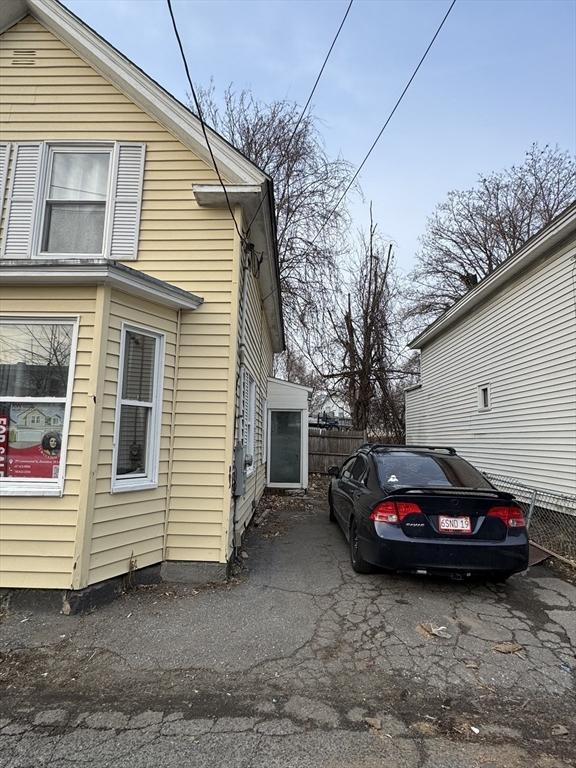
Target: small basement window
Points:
(138, 410)
(484, 400)
(36, 377)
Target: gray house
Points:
(498, 369)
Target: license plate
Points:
(455, 524)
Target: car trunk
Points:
(451, 513)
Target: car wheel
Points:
(331, 515)
(358, 563)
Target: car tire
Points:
(331, 515)
(358, 563)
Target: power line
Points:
(295, 130)
(390, 116)
(201, 118)
(406, 87)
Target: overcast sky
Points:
(501, 75)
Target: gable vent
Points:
(23, 57)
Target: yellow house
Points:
(137, 328)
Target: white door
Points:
(285, 449)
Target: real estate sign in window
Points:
(36, 364)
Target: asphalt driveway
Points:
(298, 662)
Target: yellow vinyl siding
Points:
(258, 358)
(128, 527)
(37, 533)
(62, 97)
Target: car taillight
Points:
(512, 516)
(393, 512)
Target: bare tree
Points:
(307, 184)
(473, 231)
(357, 346)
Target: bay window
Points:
(138, 410)
(36, 377)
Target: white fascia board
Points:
(119, 277)
(139, 87)
(284, 383)
(559, 230)
(249, 197)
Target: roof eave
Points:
(135, 83)
(98, 272)
(558, 230)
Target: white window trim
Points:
(123, 483)
(481, 407)
(15, 486)
(46, 159)
(249, 380)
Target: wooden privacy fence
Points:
(330, 446)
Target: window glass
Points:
(76, 202)
(137, 433)
(35, 367)
(34, 360)
(347, 467)
(79, 176)
(396, 469)
(285, 446)
(138, 379)
(132, 440)
(358, 468)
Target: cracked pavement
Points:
(300, 662)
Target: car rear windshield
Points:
(400, 469)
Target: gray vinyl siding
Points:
(521, 341)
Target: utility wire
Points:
(201, 118)
(390, 116)
(353, 179)
(295, 130)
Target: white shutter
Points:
(19, 227)
(4, 160)
(126, 201)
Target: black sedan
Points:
(425, 510)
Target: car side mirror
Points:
(333, 471)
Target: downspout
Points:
(172, 431)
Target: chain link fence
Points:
(551, 517)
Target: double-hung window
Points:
(68, 200)
(249, 419)
(138, 411)
(36, 377)
(75, 203)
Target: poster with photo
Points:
(34, 439)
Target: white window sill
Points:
(29, 490)
(118, 486)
